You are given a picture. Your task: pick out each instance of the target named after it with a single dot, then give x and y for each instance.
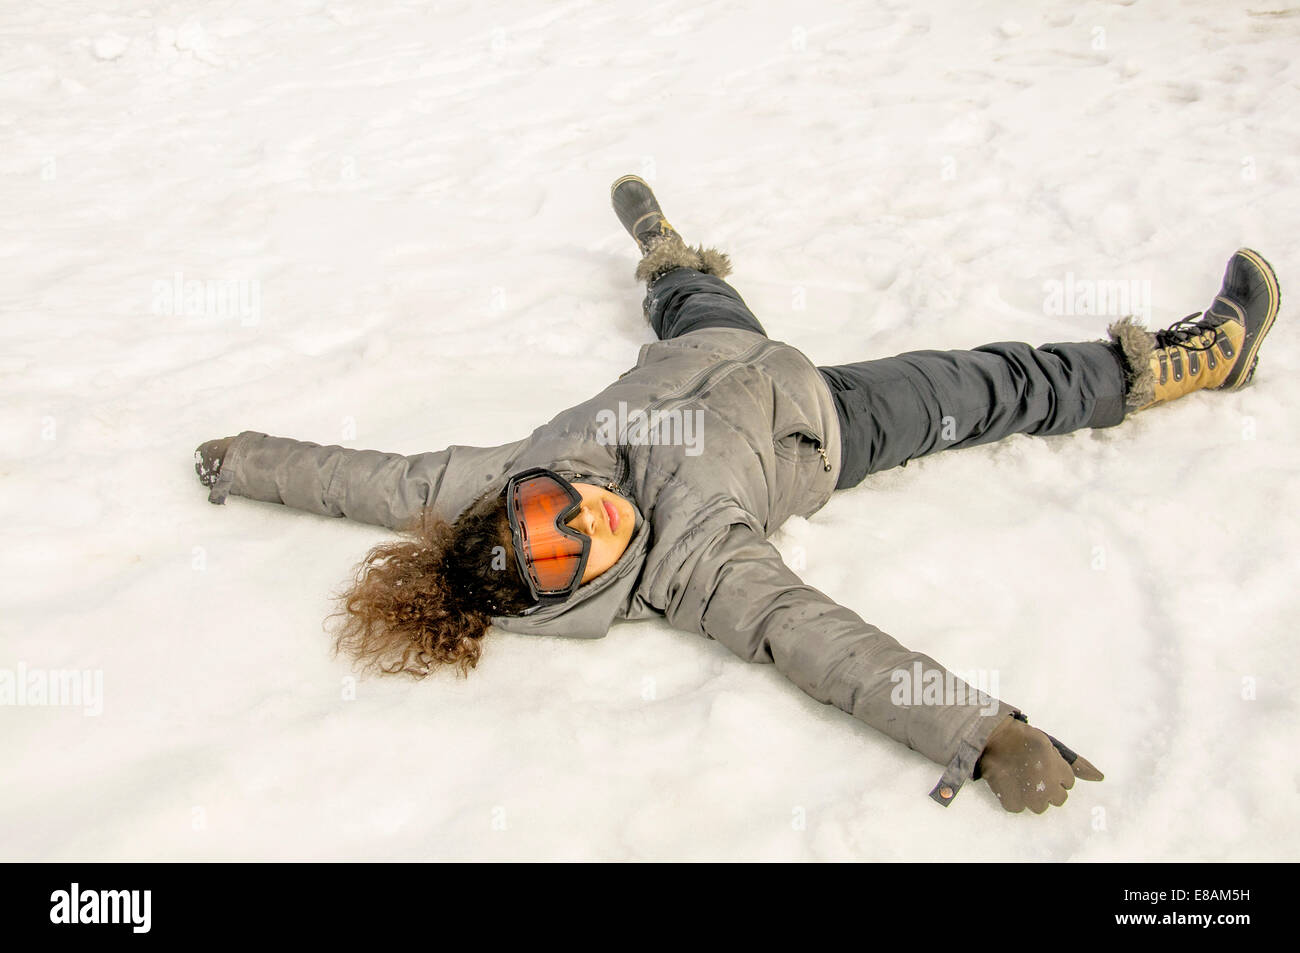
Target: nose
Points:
(585, 521)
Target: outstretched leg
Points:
(899, 408)
(904, 407)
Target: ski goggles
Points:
(551, 555)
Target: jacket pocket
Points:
(801, 461)
(801, 446)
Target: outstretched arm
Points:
(386, 489)
(736, 589)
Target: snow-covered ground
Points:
(411, 202)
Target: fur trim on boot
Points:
(672, 252)
(714, 262)
(1137, 344)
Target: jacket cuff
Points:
(219, 490)
(962, 766)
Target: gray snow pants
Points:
(899, 408)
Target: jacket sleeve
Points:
(735, 588)
(386, 489)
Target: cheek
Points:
(599, 560)
(602, 550)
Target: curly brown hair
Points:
(426, 599)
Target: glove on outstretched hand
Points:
(208, 458)
(1027, 768)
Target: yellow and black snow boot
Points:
(1216, 349)
(662, 248)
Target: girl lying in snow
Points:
(601, 515)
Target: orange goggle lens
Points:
(551, 555)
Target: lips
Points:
(612, 515)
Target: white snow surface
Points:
(418, 195)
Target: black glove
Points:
(208, 458)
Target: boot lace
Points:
(1181, 334)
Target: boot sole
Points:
(1250, 359)
(627, 178)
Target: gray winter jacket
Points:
(767, 446)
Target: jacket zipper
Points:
(696, 383)
(621, 471)
(689, 390)
(826, 461)
(685, 392)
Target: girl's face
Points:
(609, 520)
